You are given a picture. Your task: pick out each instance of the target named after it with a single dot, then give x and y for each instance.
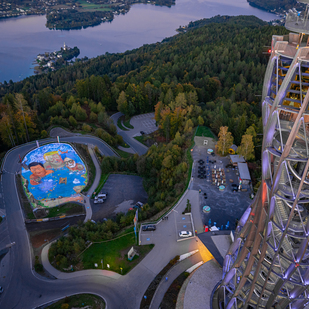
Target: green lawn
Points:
(114, 253)
(101, 184)
(123, 154)
(204, 131)
(128, 124)
(119, 124)
(140, 139)
(79, 301)
(66, 209)
(93, 6)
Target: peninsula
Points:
(73, 14)
(55, 60)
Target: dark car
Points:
(213, 154)
(142, 132)
(148, 227)
(201, 161)
(234, 187)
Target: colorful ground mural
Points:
(53, 174)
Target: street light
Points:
(102, 263)
(121, 269)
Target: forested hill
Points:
(276, 5)
(248, 21)
(219, 66)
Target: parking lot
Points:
(123, 192)
(225, 206)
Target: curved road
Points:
(24, 289)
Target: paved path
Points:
(199, 286)
(128, 136)
(25, 289)
(172, 274)
(94, 184)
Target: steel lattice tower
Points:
(267, 266)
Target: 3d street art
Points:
(53, 174)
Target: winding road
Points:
(24, 288)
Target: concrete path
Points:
(94, 184)
(199, 286)
(172, 274)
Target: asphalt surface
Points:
(119, 189)
(144, 123)
(226, 206)
(22, 287)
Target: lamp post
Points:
(102, 263)
(121, 269)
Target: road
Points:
(23, 288)
(128, 135)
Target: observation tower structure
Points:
(267, 265)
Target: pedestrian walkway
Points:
(62, 275)
(172, 274)
(196, 291)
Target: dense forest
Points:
(211, 75)
(214, 71)
(276, 5)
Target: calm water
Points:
(21, 39)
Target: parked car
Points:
(139, 204)
(150, 227)
(1, 289)
(142, 132)
(98, 201)
(102, 196)
(185, 234)
(234, 187)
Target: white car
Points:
(185, 234)
(98, 201)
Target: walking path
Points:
(62, 275)
(94, 184)
(172, 274)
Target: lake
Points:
(23, 38)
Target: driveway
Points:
(144, 122)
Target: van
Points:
(101, 196)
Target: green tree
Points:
(72, 121)
(93, 117)
(246, 148)
(225, 140)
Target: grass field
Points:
(205, 131)
(128, 124)
(101, 184)
(79, 301)
(140, 139)
(114, 253)
(92, 6)
(66, 209)
(122, 153)
(120, 126)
